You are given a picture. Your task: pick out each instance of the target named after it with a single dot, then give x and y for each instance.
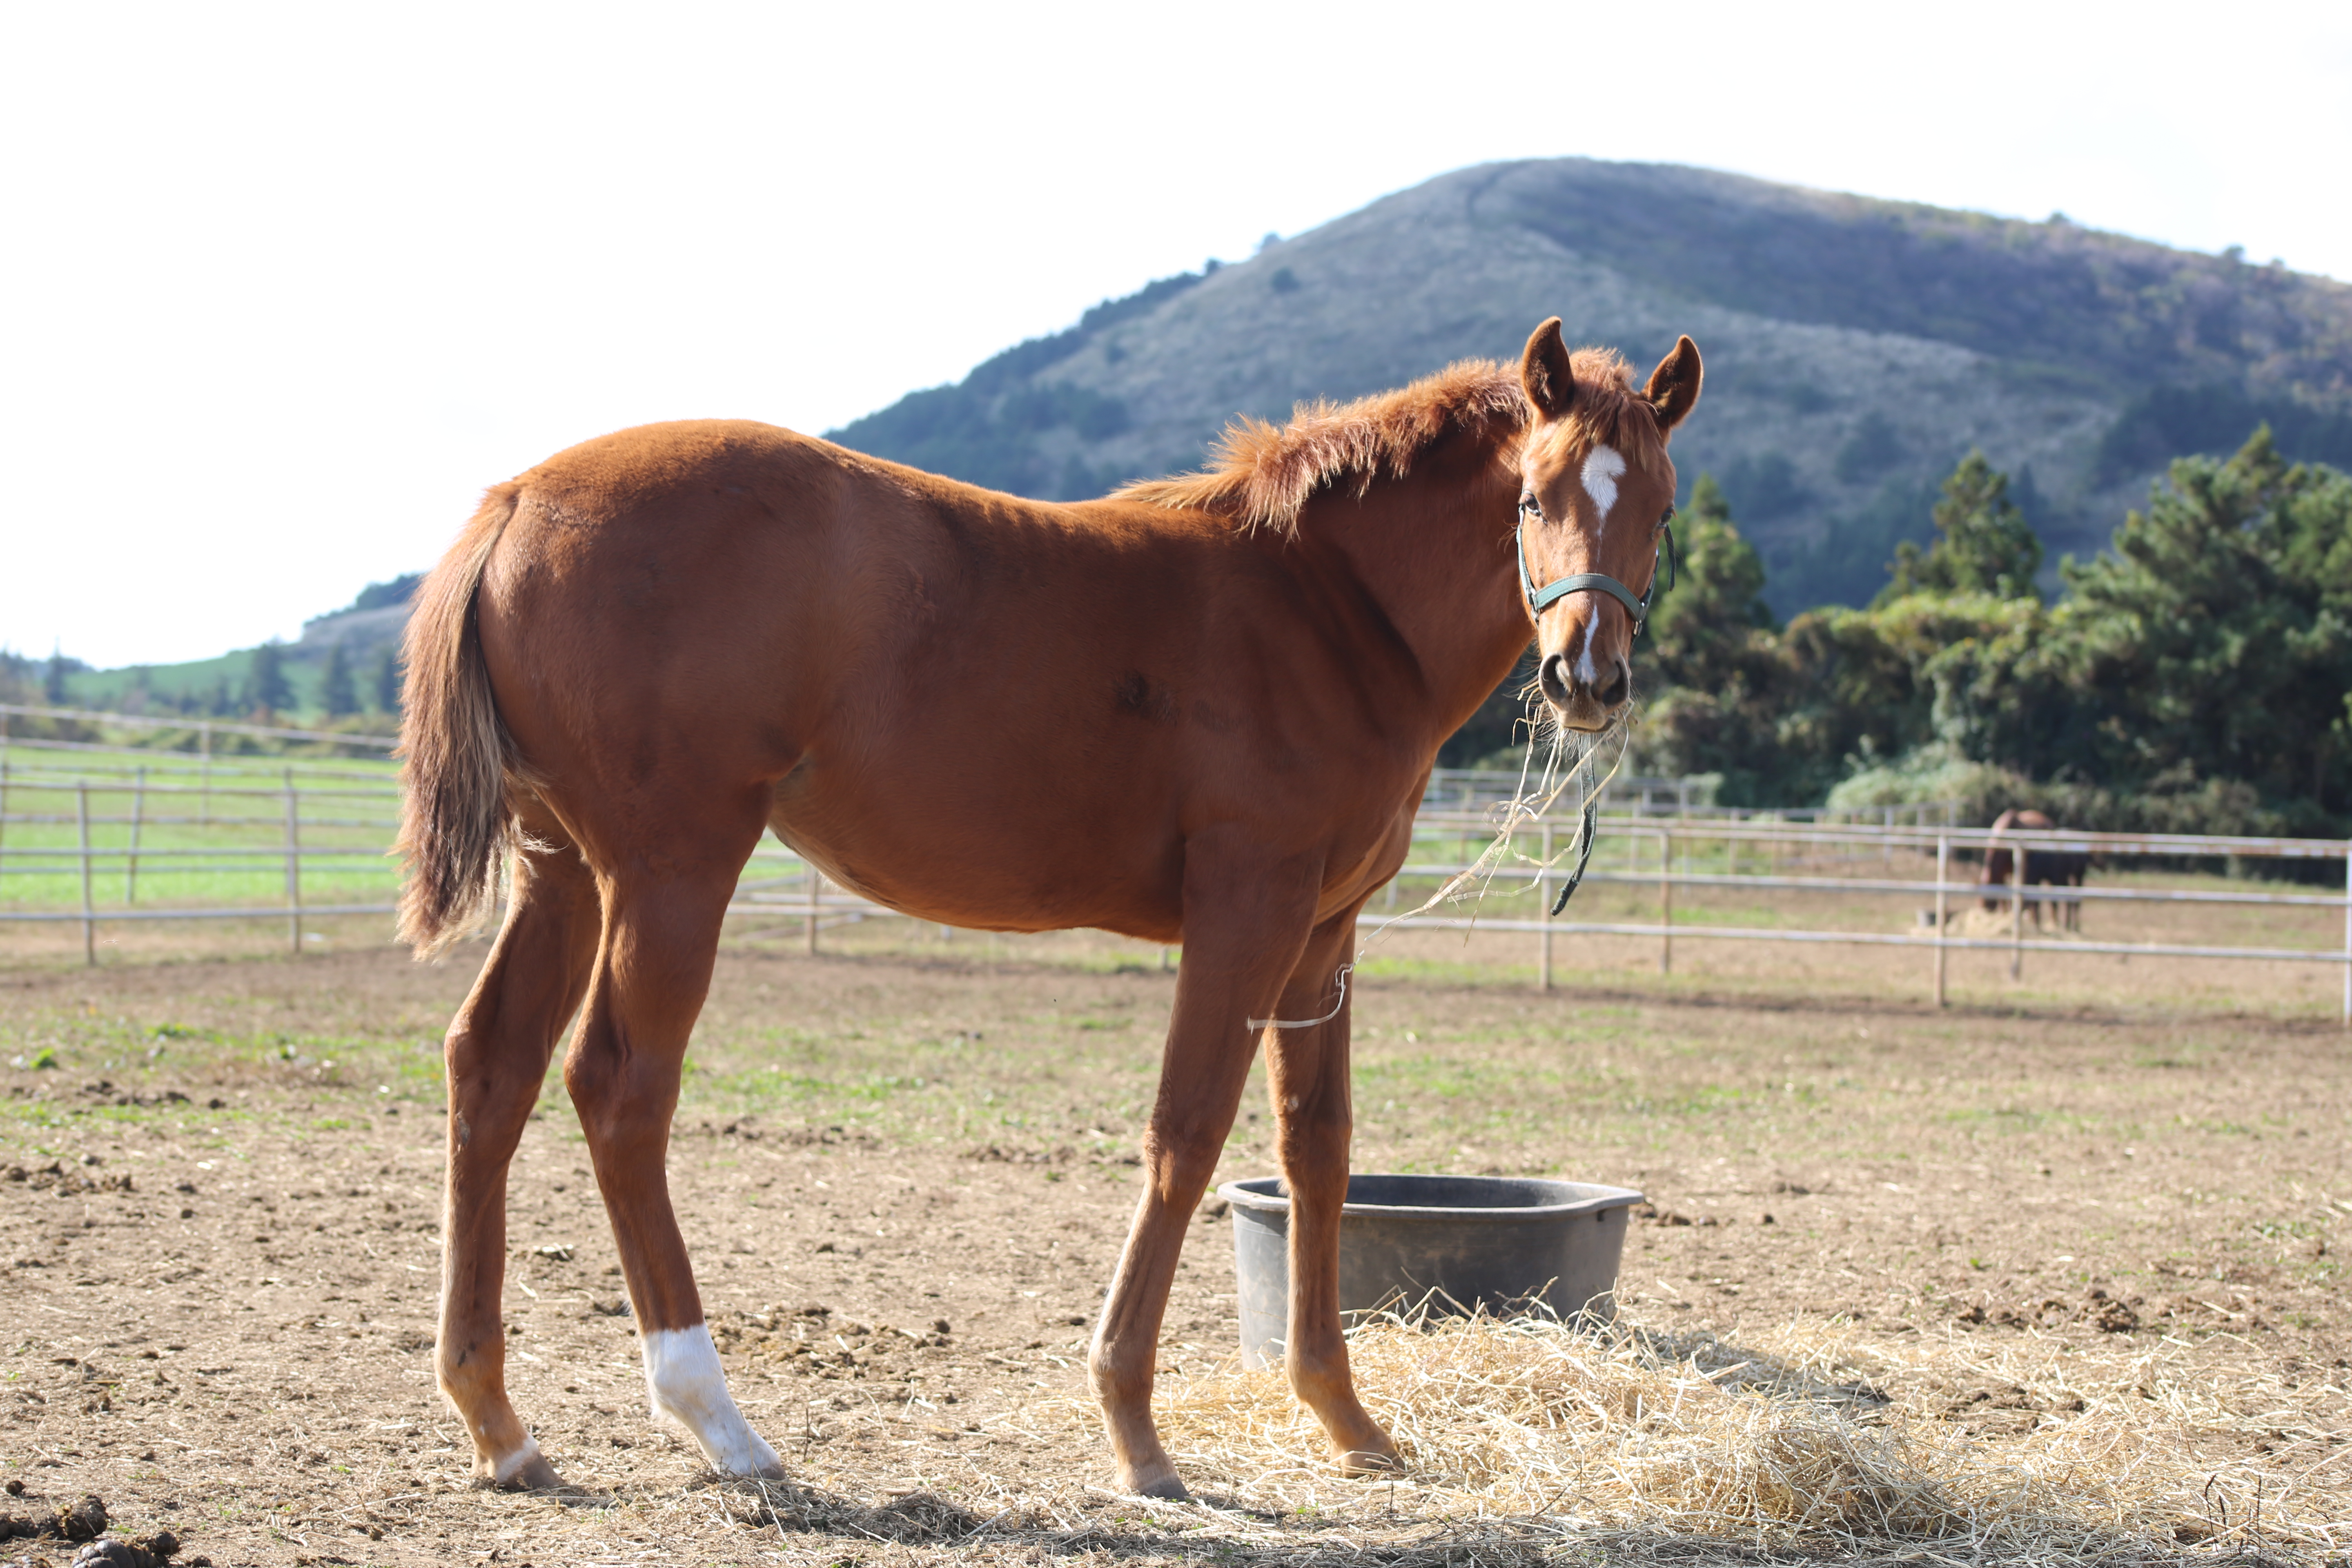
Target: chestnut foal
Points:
(1201, 711)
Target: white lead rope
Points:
(1549, 788)
(1309, 1023)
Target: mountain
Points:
(1856, 349)
(367, 630)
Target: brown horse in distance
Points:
(2043, 868)
(1201, 711)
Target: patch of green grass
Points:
(1445, 971)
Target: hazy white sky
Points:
(286, 286)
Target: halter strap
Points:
(1543, 598)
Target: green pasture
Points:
(206, 834)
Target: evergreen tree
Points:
(337, 694)
(53, 680)
(1984, 544)
(2193, 678)
(1712, 645)
(265, 687)
(1702, 625)
(387, 683)
(2215, 639)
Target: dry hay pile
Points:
(1641, 1438)
(1529, 1445)
(1974, 920)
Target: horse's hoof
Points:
(533, 1473)
(1371, 1461)
(1161, 1482)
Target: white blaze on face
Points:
(1587, 672)
(683, 1375)
(1602, 468)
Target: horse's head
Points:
(1596, 489)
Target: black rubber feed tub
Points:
(1503, 1244)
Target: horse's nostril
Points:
(1620, 686)
(1551, 678)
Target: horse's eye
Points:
(1528, 503)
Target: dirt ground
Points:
(905, 1167)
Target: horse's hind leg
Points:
(496, 1052)
(1308, 1077)
(661, 936)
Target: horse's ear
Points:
(1544, 372)
(1673, 385)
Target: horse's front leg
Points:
(1246, 921)
(1308, 1077)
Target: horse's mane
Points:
(1261, 474)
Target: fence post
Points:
(81, 821)
(1943, 875)
(293, 866)
(2347, 936)
(4, 794)
(816, 882)
(204, 800)
(138, 813)
(1543, 904)
(1666, 901)
(2016, 910)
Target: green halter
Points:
(1543, 598)
(1551, 593)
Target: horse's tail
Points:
(457, 758)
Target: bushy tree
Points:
(337, 694)
(2196, 677)
(17, 682)
(266, 684)
(387, 683)
(1782, 715)
(1711, 649)
(1984, 544)
(2212, 642)
(1700, 630)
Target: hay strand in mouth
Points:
(1567, 758)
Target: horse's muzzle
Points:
(1581, 705)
